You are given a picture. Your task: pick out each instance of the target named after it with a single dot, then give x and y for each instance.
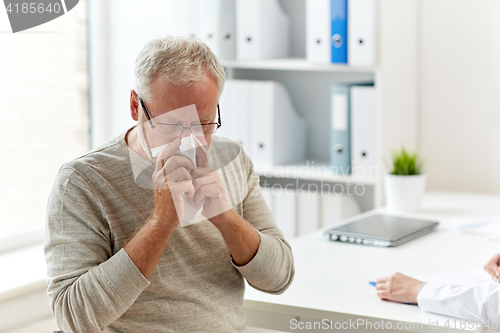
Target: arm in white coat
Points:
(476, 303)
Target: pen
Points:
(374, 284)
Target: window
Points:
(44, 112)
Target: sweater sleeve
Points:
(480, 303)
(272, 269)
(88, 286)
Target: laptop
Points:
(381, 230)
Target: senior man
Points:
(118, 260)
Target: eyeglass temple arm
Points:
(145, 112)
(219, 124)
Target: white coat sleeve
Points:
(480, 303)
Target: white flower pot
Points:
(404, 194)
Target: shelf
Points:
(310, 170)
(295, 65)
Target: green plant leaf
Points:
(406, 163)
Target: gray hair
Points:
(180, 60)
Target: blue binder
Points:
(339, 31)
(340, 136)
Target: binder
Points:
(308, 212)
(336, 208)
(326, 31)
(361, 32)
(262, 30)
(261, 117)
(340, 136)
(268, 196)
(339, 31)
(217, 27)
(278, 133)
(363, 134)
(189, 17)
(285, 214)
(318, 31)
(331, 208)
(350, 207)
(226, 113)
(235, 113)
(242, 117)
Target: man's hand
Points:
(398, 288)
(492, 266)
(171, 180)
(209, 186)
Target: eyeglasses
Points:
(174, 130)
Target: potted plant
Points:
(405, 184)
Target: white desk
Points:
(331, 279)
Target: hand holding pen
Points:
(492, 268)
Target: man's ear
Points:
(134, 105)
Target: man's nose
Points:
(186, 131)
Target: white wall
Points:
(460, 94)
(396, 81)
(43, 93)
(118, 31)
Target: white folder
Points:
(225, 105)
(337, 207)
(331, 208)
(350, 207)
(262, 30)
(363, 134)
(217, 27)
(278, 133)
(308, 212)
(268, 198)
(234, 106)
(189, 17)
(262, 125)
(261, 117)
(285, 211)
(318, 31)
(361, 25)
(242, 117)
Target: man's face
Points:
(177, 105)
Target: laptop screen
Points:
(384, 227)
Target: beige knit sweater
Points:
(96, 206)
